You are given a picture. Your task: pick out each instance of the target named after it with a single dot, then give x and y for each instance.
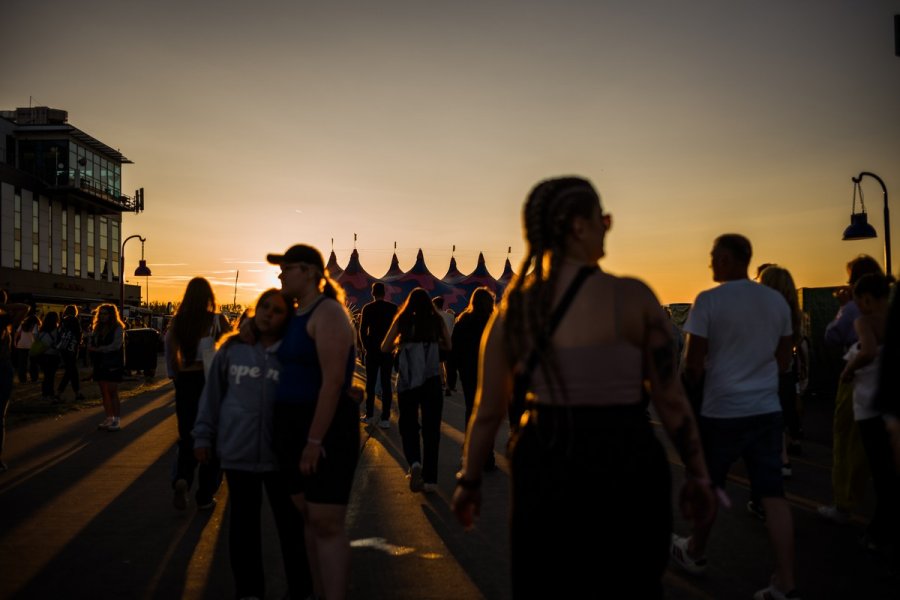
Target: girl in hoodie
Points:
(235, 421)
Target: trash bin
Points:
(141, 347)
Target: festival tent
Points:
(453, 275)
(357, 283)
(334, 270)
(394, 271)
(398, 288)
(505, 278)
(479, 277)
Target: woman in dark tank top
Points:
(585, 426)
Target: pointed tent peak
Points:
(420, 256)
(332, 267)
(353, 263)
(394, 270)
(453, 275)
(481, 259)
(508, 273)
(419, 267)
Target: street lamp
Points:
(142, 271)
(859, 228)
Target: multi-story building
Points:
(61, 212)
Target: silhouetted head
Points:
(862, 265)
(731, 256)
(378, 290)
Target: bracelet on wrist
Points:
(467, 484)
(313, 441)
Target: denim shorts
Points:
(757, 439)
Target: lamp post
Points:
(142, 271)
(859, 228)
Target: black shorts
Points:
(331, 482)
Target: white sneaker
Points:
(416, 483)
(105, 424)
(384, 424)
(114, 425)
(834, 514)
(679, 551)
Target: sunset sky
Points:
(256, 125)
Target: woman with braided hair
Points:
(585, 356)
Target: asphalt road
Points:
(87, 514)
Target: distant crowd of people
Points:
(573, 360)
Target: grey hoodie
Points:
(235, 412)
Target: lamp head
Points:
(859, 228)
(143, 270)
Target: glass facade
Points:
(116, 243)
(17, 231)
(35, 235)
(76, 254)
(90, 247)
(104, 247)
(64, 242)
(68, 163)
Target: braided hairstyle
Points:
(547, 219)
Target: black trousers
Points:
(245, 534)
(429, 398)
(70, 371)
(379, 364)
(594, 474)
(188, 387)
(49, 364)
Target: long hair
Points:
(862, 265)
(193, 317)
(779, 279)
(481, 304)
(101, 329)
(547, 219)
(418, 320)
(51, 322)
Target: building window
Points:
(91, 273)
(64, 242)
(76, 254)
(35, 235)
(104, 248)
(115, 242)
(17, 231)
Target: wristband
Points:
(467, 484)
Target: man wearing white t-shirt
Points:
(739, 339)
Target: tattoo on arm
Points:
(686, 441)
(664, 362)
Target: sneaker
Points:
(787, 470)
(429, 488)
(415, 478)
(756, 509)
(114, 425)
(384, 424)
(679, 551)
(207, 505)
(773, 593)
(105, 424)
(180, 495)
(834, 514)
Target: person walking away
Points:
(48, 336)
(235, 422)
(739, 340)
(69, 343)
(25, 336)
(377, 317)
(191, 339)
(850, 469)
(466, 343)
(11, 317)
(107, 351)
(448, 369)
(316, 416)
(863, 362)
(585, 462)
(419, 333)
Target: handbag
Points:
(522, 381)
(37, 348)
(206, 347)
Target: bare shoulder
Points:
(634, 290)
(332, 312)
